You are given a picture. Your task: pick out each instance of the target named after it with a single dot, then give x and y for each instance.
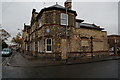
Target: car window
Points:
(6, 50)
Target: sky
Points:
(14, 14)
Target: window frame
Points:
(40, 46)
(47, 45)
(40, 22)
(62, 19)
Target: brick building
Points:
(114, 44)
(112, 39)
(56, 33)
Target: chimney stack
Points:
(33, 11)
(68, 4)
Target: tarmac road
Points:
(105, 69)
(102, 69)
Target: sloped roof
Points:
(56, 7)
(79, 20)
(90, 26)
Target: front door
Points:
(63, 49)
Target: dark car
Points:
(6, 52)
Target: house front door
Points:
(63, 49)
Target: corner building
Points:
(55, 32)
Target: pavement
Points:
(20, 59)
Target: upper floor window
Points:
(77, 25)
(40, 22)
(64, 19)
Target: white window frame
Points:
(47, 44)
(62, 19)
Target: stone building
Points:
(56, 33)
(25, 36)
(114, 44)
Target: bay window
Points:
(64, 19)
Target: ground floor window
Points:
(40, 45)
(48, 43)
(26, 46)
(33, 46)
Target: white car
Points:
(6, 52)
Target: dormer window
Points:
(64, 19)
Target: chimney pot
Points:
(68, 4)
(33, 11)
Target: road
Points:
(105, 69)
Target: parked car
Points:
(6, 52)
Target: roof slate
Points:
(57, 6)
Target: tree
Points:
(4, 34)
(17, 40)
(4, 45)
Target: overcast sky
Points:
(104, 14)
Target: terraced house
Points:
(55, 32)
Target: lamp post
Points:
(20, 36)
(66, 36)
(115, 46)
(91, 46)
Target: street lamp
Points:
(66, 36)
(91, 46)
(115, 46)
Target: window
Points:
(77, 25)
(40, 45)
(64, 19)
(48, 45)
(26, 47)
(84, 42)
(33, 46)
(40, 21)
